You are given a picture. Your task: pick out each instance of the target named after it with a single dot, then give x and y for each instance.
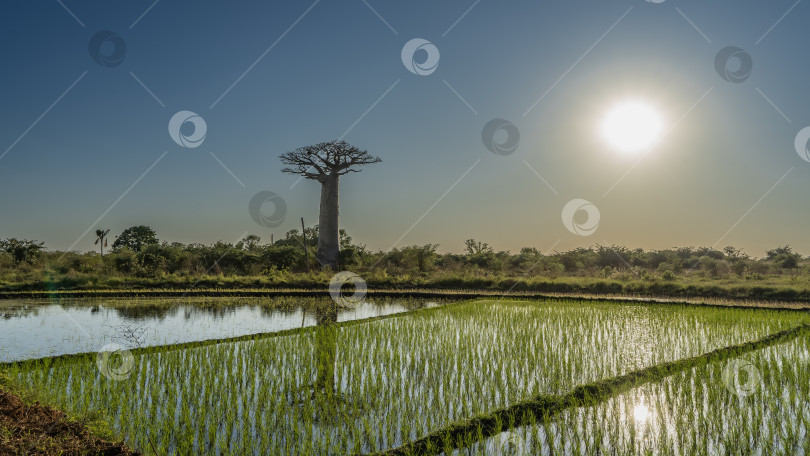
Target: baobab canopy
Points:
(326, 162)
(319, 160)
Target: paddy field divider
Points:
(544, 407)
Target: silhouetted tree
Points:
(475, 247)
(784, 257)
(101, 239)
(423, 254)
(22, 250)
(250, 242)
(325, 163)
(136, 238)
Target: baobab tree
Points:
(101, 239)
(325, 163)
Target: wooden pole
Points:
(304, 236)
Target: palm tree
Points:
(101, 238)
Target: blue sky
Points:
(268, 77)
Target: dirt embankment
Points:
(38, 430)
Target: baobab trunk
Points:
(326, 162)
(328, 234)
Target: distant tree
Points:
(739, 260)
(424, 255)
(739, 267)
(101, 239)
(734, 254)
(784, 257)
(616, 257)
(482, 255)
(656, 258)
(22, 250)
(346, 241)
(578, 259)
(709, 265)
(774, 253)
(150, 261)
(527, 259)
(351, 254)
(294, 238)
(684, 253)
(709, 252)
(135, 238)
(250, 242)
(474, 247)
(529, 252)
(668, 275)
(325, 163)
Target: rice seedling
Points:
(32, 329)
(369, 386)
(755, 404)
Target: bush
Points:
(709, 265)
(125, 261)
(283, 257)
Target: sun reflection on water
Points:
(641, 412)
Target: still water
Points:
(35, 329)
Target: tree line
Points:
(138, 252)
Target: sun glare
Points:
(632, 126)
(641, 413)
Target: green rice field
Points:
(377, 385)
(688, 413)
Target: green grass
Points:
(375, 385)
(773, 287)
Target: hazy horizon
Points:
(85, 140)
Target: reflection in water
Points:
(326, 349)
(18, 311)
(143, 312)
(34, 329)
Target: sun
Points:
(632, 126)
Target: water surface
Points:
(35, 329)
